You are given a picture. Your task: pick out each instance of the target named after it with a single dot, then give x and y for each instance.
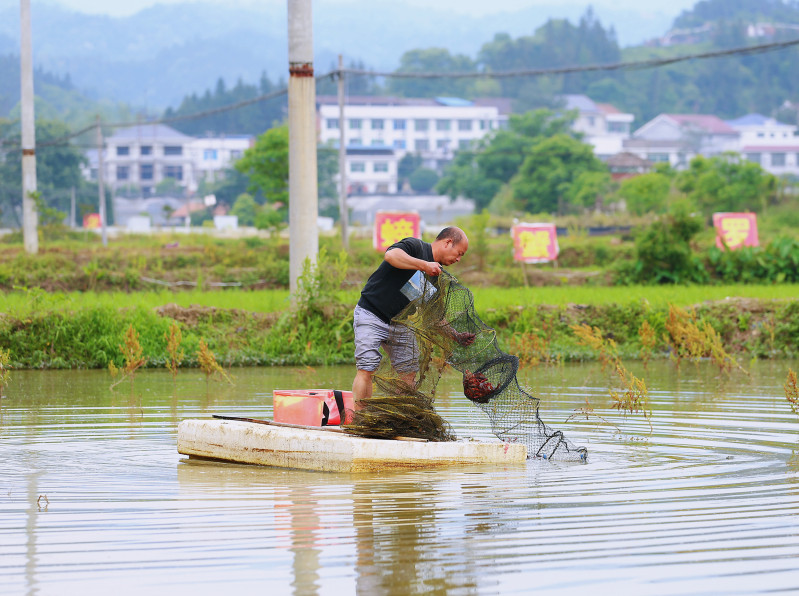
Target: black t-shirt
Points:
(389, 289)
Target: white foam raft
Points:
(306, 448)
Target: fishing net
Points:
(440, 329)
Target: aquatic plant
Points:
(133, 356)
(648, 339)
(633, 397)
(792, 392)
(175, 356)
(209, 365)
(587, 411)
(688, 339)
(5, 369)
(606, 348)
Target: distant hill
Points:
(154, 58)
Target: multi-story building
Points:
(772, 144)
(677, 138)
(146, 154)
(379, 131)
(603, 126)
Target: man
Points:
(387, 292)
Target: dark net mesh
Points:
(440, 329)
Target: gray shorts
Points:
(371, 333)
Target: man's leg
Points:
(362, 387)
(370, 333)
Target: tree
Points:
(726, 183)
(544, 181)
(432, 60)
(647, 193)
(267, 165)
(245, 209)
(423, 180)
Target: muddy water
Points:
(95, 499)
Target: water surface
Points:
(95, 498)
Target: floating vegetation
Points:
(209, 365)
(175, 354)
(5, 369)
(792, 392)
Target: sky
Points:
(472, 7)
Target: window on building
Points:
(464, 144)
(399, 143)
(173, 150)
(464, 125)
(753, 157)
(146, 150)
(658, 157)
(591, 121)
(146, 171)
(443, 124)
(778, 159)
(175, 172)
(381, 166)
(442, 144)
(377, 142)
(399, 124)
(377, 124)
(355, 141)
(483, 124)
(618, 127)
(356, 123)
(421, 144)
(235, 153)
(422, 125)
(332, 123)
(761, 134)
(123, 172)
(209, 154)
(123, 150)
(357, 166)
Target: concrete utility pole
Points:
(303, 190)
(30, 217)
(342, 160)
(101, 180)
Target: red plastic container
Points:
(307, 406)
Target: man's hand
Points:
(432, 268)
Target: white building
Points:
(677, 138)
(604, 127)
(772, 144)
(433, 128)
(147, 154)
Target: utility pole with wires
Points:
(30, 216)
(342, 160)
(303, 186)
(101, 179)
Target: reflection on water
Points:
(706, 503)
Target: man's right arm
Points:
(398, 258)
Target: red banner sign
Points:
(535, 243)
(91, 221)
(735, 230)
(393, 226)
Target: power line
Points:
(532, 72)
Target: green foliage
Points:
(663, 251)
(254, 117)
(433, 60)
(726, 183)
(647, 193)
(547, 178)
(267, 165)
(776, 262)
(423, 180)
(245, 209)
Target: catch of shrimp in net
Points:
(442, 330)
